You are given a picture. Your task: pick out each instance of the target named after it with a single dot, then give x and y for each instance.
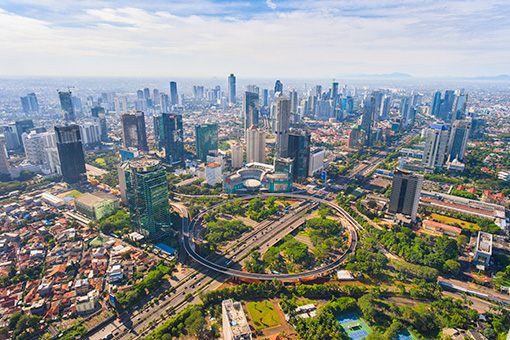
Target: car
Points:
(108, 337)
(138, 318)
(119, 320)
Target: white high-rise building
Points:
(282, 126)
(255, 145)
(293, 101)
(237, 155)
(435, 145)
(316, 162)
(36, 144)
(235, 325)
(90, 132)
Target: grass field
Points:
(263, 314)
(305, 302)
(452, 221)
(305, 233)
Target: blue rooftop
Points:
(439, 127)
(165, 248)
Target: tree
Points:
(372, 204)
(452, 267)
(446, 248)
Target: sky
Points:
(267, 38)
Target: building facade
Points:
(282, 126)
(143, 182)
(170, 136)
(70, 151)
(206, 136)
(133, 130)
(255, 145)
(405, 193)
(435, 146)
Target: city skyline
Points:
(275, 38)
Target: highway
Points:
(352, 225)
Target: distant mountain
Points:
(504, 77)
(395, 75)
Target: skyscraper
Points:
(66, 102)
(144, 189)
(255, 145)
(206, 136)
(299, 151)
(70, 151)
(458, 139)
(231, 89)
(435, 146)
(334, 91)
(96, 110)
(436, 106)
(30, 104)
(405, 193)
(265, 97)
(174, 97)
(293, 101)
(278, 87)
(446, 110)
(367, 118)
(103, 127)
(170, 136)
(385, 108)
(237, 155)
(251, 109)
(4, 163)
(133, 130)
(282, 125)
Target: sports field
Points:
(263, 314)
(406, 335)
(355, 327)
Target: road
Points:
(351, 225)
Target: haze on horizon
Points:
(205, 38)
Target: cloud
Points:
(302, 38)
(271, 4)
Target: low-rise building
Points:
(213, 173)
(96, 207)
(235, 325)
(440, 229)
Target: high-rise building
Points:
(316, 162)
(198, 91)
(70, 151)
(367, 118)
(265, 97)
(251, 109)
(133, 130)
(458, 139)
(235, 325)
(299, 151)
(104, 127)
(96, 110)
(334, 90)
(385, 108)
(282, 125)
(66, 102)
(293, 101)
(255, 145)
(144, 190)
(170, 135)
(206, 136)
(237, 155)
(139, 95)
(460, 106)
(436, 106)
(231, 89)
(435, 145)
(155, 97)
(278, 87)
(22, 126)
(407, 112)
(405, 193)
(446, 110)
(4, 163)
(35, 145)
(90, 132)
(29, 104)
(174, 97)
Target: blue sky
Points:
(272, 38)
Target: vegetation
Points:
(465, 194)
(126, 300)
(23, 326)
(191, 322)
(259, 211)
(221, 231)
(24, 183)
(120, 223)
(263, 314)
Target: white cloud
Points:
(271, 4)
(305, 38)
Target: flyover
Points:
(352, 225)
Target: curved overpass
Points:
(352, 225)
